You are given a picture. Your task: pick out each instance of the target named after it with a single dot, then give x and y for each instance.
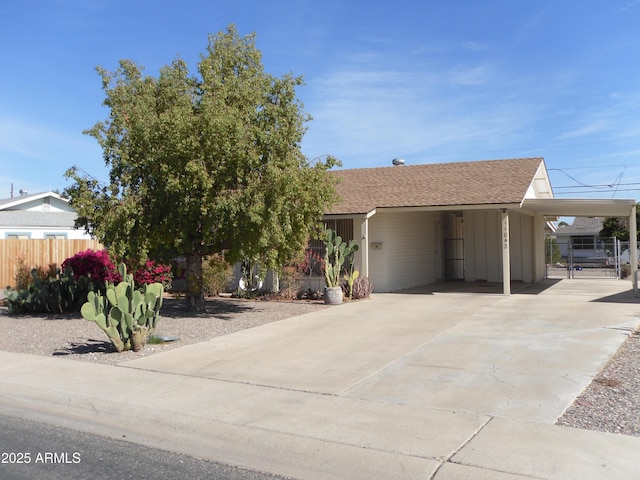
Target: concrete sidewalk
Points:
(427, 384)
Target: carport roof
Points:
(580, 207)
(491, 182)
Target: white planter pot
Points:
(333, 295)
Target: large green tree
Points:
(204, 163)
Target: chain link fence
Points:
(602, 258)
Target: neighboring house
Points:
(582, 238)
(38, 216)
(472, 221)
(39, 229)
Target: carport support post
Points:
(506, 265)
(633, 249)
(364, 246)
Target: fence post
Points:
(570, 272)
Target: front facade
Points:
(38, 216)
(472, 221)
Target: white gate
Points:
(602, 258)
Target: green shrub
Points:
(625, 270)
(22, 276)
(49, 292)
(216, 275)
(291, 281)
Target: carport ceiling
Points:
(565, 207)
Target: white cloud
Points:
(591, 128)
(372, 115)
(31, 140)
(35, 157)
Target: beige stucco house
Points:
(478, 221)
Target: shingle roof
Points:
(27, 218)
(442, 184)
(582, 226)
(10, 203)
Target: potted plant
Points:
(336, 252)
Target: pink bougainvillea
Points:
(152, 272)
(96, 265)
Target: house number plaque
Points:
(505, 231)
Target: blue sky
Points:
(427, 81)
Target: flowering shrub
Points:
(313, 263)
(96, 265)
(57, 290)
(152, 272)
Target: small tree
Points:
(204, 164)
(553, 250)
(618, 227)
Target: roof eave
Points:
(29, 198)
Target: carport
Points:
(554, 207)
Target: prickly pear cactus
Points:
(336, 252)
(126, 315)
(94, 310)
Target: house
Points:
(38, 216)
(473, 221)
(38, 228)
(581, 240)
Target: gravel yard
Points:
(611, 403)
(73, 337)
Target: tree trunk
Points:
(195, 292)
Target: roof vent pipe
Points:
(24, 192)
(397, 162)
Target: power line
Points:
(582, 192)
(603, 185)
(599, 167)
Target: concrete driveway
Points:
(453, 347)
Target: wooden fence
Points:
(37, 252)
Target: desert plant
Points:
(125, 314)
(313, 263)
(625, 270)
(49, 291)
(362, 287)
(337, 251)
(290, 281)
(349, 279)
(22, 276)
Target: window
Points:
(585, 242)
(55, 236)
(18, 236)
(315, 251)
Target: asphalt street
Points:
(31, 450)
